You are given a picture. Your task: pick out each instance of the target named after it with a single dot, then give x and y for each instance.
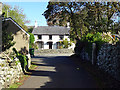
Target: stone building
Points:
(21, 37)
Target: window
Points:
(61, 37)
(50, 37)
(39, 36)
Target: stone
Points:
(1, 72)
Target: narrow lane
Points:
(58, 72)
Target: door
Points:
(50, 45)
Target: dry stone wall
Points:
(84, 55)
(108, 59)
(9, 72)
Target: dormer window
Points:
(39, 36)
(50, 37)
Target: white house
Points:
(48, 37)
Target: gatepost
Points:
(94, 53)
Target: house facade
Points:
(49, 37)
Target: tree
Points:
(84, 17)
(100, 15)
(30, 29)
(16, 14)
(68, 12)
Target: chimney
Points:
(68, 25)
(0, 27)
(35, 24)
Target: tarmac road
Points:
(55, 71)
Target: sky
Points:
(33, 11)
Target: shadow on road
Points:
(62, 71)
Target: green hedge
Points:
(86, 42)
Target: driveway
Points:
(58, 71)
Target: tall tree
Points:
(69, 12)
(83, 16)
(16, 14)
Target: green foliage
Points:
(63, 12)
(87, 40)
(14, 85)
(84, 17)
(65, 43)
(22, 59)
(31, 41)
(93, 38)
(16, 14)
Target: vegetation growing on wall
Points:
(23, 60)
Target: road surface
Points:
(55, 71)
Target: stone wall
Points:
(53, 51)
(84, 55)
(9, 72)
(108, 59)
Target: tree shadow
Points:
(39, 73)
(66, 74)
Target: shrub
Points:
(22, 58)
(65, 43)
(31, 41)
(86, 43)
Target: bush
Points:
(65, 43)
(23, 60)
(86, 43)
(31, 41)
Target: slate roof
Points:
(6, 19)
(56, 30)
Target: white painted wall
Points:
(45, 39)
